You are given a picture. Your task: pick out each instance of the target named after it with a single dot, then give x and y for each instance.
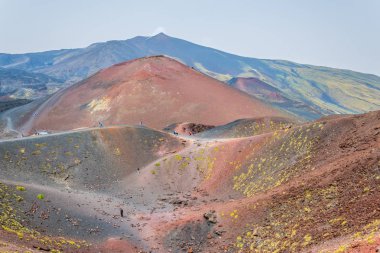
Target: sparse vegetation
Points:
(11, 222)
(273, 192)
(20, 188)
(277, 166)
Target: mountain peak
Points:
(161, 35)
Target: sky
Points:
(335, 33)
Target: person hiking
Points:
(121, 212)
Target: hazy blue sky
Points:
(336, 33)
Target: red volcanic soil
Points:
(313, 187)
(258, 88)
(117, 245)
(157, 91)
(187, 128)
(310, 188)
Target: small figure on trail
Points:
(175, 133)
(121, 212)
(100, 124)
(190, 133)
(141, 123)
(138, 170)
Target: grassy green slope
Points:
(330, 90)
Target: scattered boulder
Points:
(180, 202)
(219, 232)
(210, 216)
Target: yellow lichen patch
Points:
(102, 104)
(8, 216)
(276, 166)
(11, 222)
(40, 145)
(234, 214)
(338, 220)
(308, 195)
(20, 188)
(117, 152)
(45, 167)
(341, 249)
(68, 153)
(289, 225)
(368, 232)
(307, 239)
(36, 152)
(178, 157)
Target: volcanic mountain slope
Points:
(306, 188)
(79, 176)
(248, 127)
(20, 84)
(11, 103)
(265, 92)
(311, 88)
(155, 90)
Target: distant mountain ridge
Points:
(21, 84)
(315, 91)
